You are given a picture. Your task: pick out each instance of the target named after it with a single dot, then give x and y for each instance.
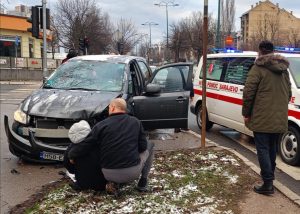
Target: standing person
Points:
(266, 96)
(125, 154)
(72, 53)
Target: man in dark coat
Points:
(125, 155)
(266, 96)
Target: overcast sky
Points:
(141, 11)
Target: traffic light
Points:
(34, 20)
(47, 18)
(120, 46)
(81, 45)
(86, 42)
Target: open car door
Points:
(167, 107)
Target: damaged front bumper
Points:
(31, 147)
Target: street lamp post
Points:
(149, 24)
(166, 4)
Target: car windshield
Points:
(295, 69)
(88, 75)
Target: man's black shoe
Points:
(264, 189)
(142, 185)
(75, 186)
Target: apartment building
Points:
(266, 20)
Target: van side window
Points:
(237, 69)
(214, 68)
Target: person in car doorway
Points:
(266, 96)
(125, 154)
(87, 168)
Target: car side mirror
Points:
(152, 88)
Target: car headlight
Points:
(21, 117)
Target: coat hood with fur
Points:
(273, 62)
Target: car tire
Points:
(209, 124)
(289, 146)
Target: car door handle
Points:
(181, 99)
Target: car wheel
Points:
(289, 146)
(209, 124)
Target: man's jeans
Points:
(266, 144)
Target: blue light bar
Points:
(287, 49)
(225, 50)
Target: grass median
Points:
(185, 181)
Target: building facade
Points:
(15, 40)
(267, 20)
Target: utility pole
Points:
(44, 41)
(218, 26)
(203, 116)
(166, 4)
(149, 24)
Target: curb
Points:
(282, 188)
(20, 82)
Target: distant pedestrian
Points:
(266, 96)
(72, 53)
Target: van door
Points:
(229, 105)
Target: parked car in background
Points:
(226, 76)
(82, 88)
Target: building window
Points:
(10, 46)
(31, 48)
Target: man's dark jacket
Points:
(266, 95)
(120, 139)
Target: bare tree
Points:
(294, 37)
(126, 35)
(267, 28)
(228, 16)
(75, 19)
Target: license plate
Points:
(51, 156)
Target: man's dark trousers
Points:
(266, 145)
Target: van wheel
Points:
(209, 124)
(289, 146)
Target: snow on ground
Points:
(179, 184)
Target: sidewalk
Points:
(165, 141)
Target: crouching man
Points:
(125, 155)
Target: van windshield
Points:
(295, 69)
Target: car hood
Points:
(75, 104)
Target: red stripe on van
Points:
(237, 101)
(221, 97)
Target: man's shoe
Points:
(112, 188)
(264, 189)
(142, 185)
(75, 186)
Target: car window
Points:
(214, 68)
(170, 79)
(294, 68)
(144, 69)
(238, 69)
(88, 74)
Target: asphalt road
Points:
(19, 180)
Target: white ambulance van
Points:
(226, 76)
